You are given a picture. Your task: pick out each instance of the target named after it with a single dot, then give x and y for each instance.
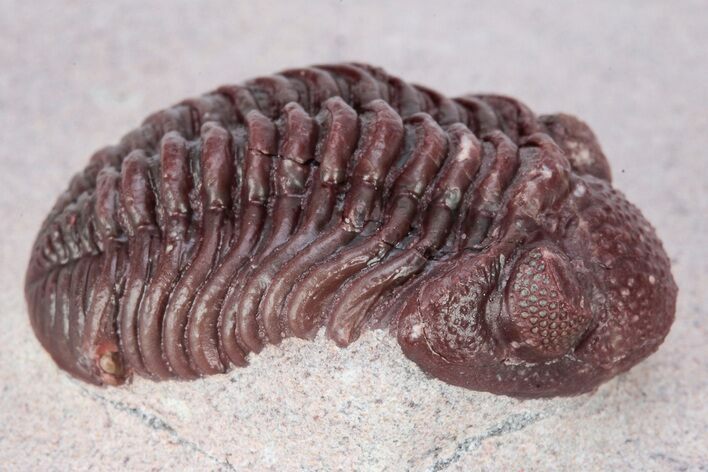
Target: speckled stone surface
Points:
(74, 76)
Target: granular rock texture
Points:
(487, 240)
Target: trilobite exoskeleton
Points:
(489, 241)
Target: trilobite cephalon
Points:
(489, 241)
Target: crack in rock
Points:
(675, 463)
(158, 424)
(510, 425)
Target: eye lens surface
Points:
(545, 310)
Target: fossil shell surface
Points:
(487, 240)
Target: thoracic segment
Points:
(318, 197)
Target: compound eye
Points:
(546, 313)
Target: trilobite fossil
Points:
(489, 241)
